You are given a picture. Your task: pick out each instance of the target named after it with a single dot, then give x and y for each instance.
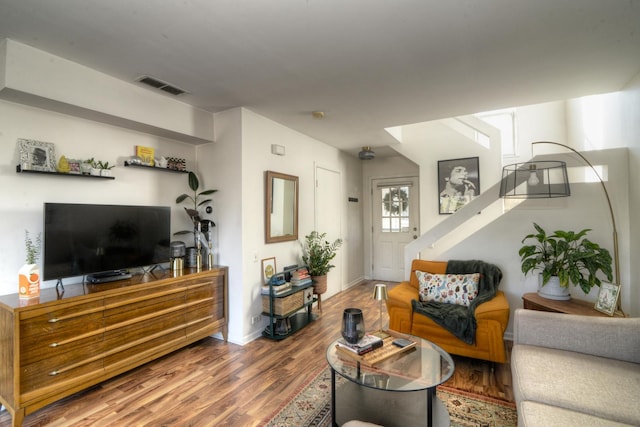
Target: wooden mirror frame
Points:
(269, 237)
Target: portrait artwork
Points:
(458, 183)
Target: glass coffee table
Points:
(399, 390)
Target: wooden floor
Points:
(211, 383)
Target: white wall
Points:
(236, 163)
(23, 195)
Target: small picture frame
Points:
(608, 298)
(37, 155)
(268, 269)
(458, 183)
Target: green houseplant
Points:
(317, 254)
(198, 200)
(568, 255)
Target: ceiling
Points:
(367, 64)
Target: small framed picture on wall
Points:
(458, 183)
(268, 269)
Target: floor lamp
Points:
(522, 181)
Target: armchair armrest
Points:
(613, 338)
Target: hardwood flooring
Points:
(212, 383)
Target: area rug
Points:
(311, 407)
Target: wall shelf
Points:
(133, 165)
(75, 175)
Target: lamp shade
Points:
(380, 292)
(535, 180)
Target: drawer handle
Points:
(53, 344)
(53, 373)
(54, 320)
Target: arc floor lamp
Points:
(548, 179)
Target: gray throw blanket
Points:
(458, 319)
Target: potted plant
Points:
(196, 199)
(317, 254)
(563, 257)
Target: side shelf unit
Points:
(288, 311)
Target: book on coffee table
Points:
(366, 344)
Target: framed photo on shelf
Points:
(608, 298)
(37, 155)
(458, 183)
(268, 269)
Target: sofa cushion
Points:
(602, 387)
(459, 289)
(538, 414)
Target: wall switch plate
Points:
(256, 319)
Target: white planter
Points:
(105, 172)
(553, 290)
(95, 171)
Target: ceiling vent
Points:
(366, 154)
(159, 84)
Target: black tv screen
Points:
(80, 239)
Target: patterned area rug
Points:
(311, 407)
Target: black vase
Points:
(352, 325)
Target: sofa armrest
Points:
(613, 338)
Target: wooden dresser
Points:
(64, 342)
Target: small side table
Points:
(533, 301)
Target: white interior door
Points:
(395, 219)
(328, 220)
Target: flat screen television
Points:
(81, 239)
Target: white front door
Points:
(395, 218)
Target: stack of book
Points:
(276, 289)
(365, 345)
(300, 276)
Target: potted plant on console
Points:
(564, 257)
(317, 254)
(200, 226)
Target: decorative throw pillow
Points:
(459, 289)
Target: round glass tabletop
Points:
(420, 367)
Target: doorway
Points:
(395, 217)
(328, 216)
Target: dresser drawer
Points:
(38, 347)
(62, 321)
(137, 309)
(136, 331)
(56, 370)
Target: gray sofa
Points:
(571, 370)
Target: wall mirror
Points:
(281, 208)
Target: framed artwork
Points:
(607, 298)
(268, 269)
(458, 183)
(37, 155)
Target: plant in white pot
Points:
(564, 257)
(317, 254)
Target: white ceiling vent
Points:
(161, 85)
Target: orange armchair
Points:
(491, 318)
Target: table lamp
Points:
(380, 295)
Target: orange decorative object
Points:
(492, 318)
(29, 281)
